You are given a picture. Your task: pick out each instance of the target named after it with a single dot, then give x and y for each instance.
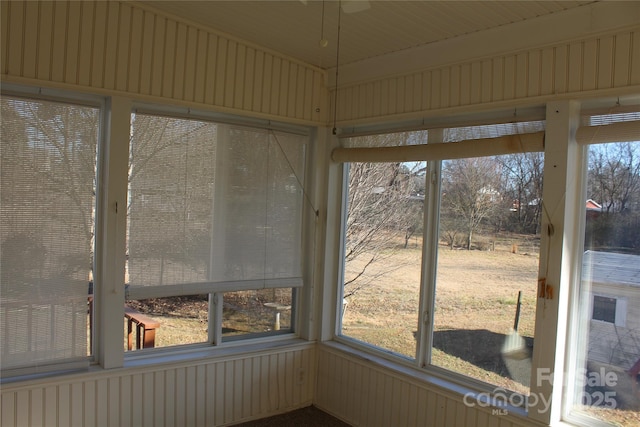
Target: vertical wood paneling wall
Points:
(116, 46)
(600, 64)
(212, 393)
(363, 394)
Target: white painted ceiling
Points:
(295, 29)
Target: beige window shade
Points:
(46, 215)
(506, 144)
(626, 131)
(213, 208)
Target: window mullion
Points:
(341, 171)
(111, 234)
(218, 232)
(429, 254)
(562, 203)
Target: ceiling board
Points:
(295, 29)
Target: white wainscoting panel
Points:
(364, 393)
(208, 393)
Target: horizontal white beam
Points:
(509, 144)
(522, 143)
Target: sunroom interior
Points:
(267, 197)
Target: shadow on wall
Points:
(484, 349)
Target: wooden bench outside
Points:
(145, 329)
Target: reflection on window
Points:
(607, 385)
(487, 268)
(383, 252)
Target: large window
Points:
(441, 257)
(215, 226)
(607, 381)
(211, 249)
(47, 217)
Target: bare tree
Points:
(523, 186)
(614, 182)
(470, 192)
(614, 175)
(450, 227)
(385, 202)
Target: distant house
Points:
(591, 205)
(593, 208)
(614, 310)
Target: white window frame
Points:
(110, 233)
(472, 148)
(215, 338)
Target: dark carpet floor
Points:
(305, 417)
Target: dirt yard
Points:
(476, 300)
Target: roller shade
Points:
(213, 208)
(46, 231)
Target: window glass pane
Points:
(608, 337)
(47, 226)
(487, 268)
(383, 252)
(256, 312)
(164, 322)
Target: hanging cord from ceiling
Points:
(335, 97)
(293, 171)
(323, 42)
